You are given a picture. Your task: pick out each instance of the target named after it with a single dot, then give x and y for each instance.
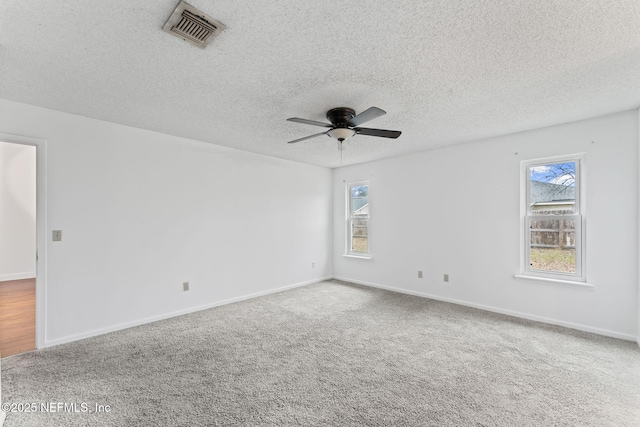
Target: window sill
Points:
(581, 285)
(357, 256)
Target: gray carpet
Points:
(334, 354)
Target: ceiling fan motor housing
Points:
(341, 116)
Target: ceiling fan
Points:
(344, 124)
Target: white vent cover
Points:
(192, 25)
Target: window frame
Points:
(578, 216)
(349, 220)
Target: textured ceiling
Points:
(445, 71)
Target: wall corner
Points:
(638, 232)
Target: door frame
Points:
(41, 230)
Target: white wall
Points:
(17, 211)
(456, 210)
(142, 212)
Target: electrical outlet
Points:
(446, 277)
(313, 264)
(57, 235)
(419, 274)
(185, 286)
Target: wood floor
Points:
(17, 316)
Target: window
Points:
(553, 218)
(358, 209)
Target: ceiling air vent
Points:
(192, 25)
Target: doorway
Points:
(17, 248)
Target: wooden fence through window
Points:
(553, 233)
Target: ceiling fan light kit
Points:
(344, 124)
(341, 133)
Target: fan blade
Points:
(378, 132)
(309, 122)
(366, 115)
(306, 137)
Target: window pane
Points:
(552, 188)
(359, 201)
(553, 245)
(359, 236)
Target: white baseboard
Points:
(2, 417)
(17, 276)
(126, 325)
(577, 326)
